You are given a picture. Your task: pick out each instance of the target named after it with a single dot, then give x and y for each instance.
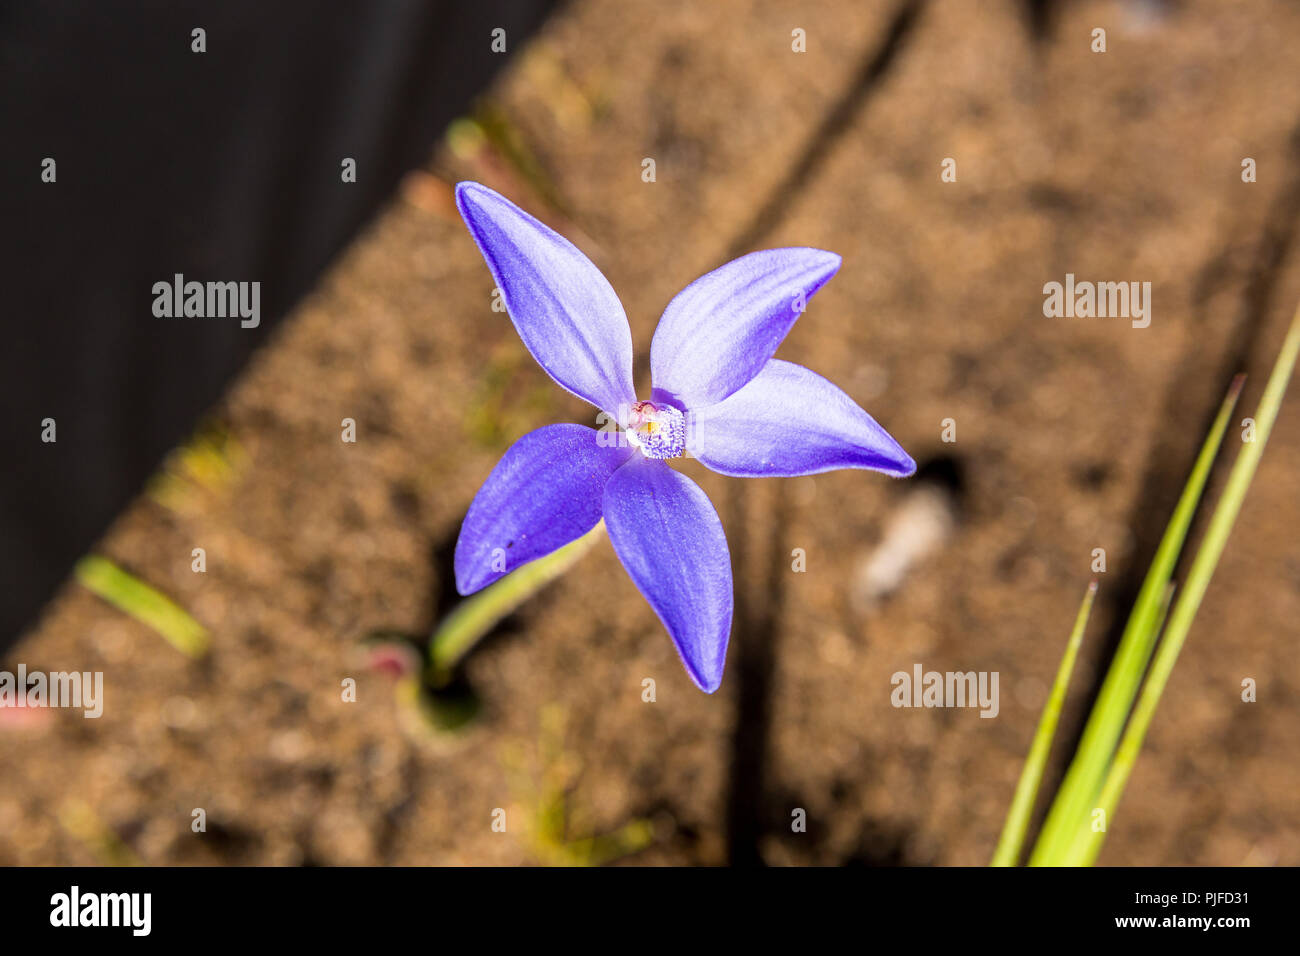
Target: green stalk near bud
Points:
(476, 615)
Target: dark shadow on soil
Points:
(1193, 400)
(757, 610)
(833, 126)
(240, 194)
(757, 617)
(1040, 16)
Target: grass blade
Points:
(1083, 780)
(1198, 580)
(1087, 843)
(132, 596)
(1022, 804)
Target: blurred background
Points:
(824, 124)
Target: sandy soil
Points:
(1072, 434)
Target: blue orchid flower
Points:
(718, 395)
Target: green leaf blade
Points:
(1022, 804)
(1070, 813)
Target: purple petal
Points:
(545, 492)
(669, 538)
(790, 421)
(718, 332)
(564, 309)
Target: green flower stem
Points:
(477, 615)
(1022, 804)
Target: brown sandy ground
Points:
(1072, 434)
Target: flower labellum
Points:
(718, 395)
(659, 431)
